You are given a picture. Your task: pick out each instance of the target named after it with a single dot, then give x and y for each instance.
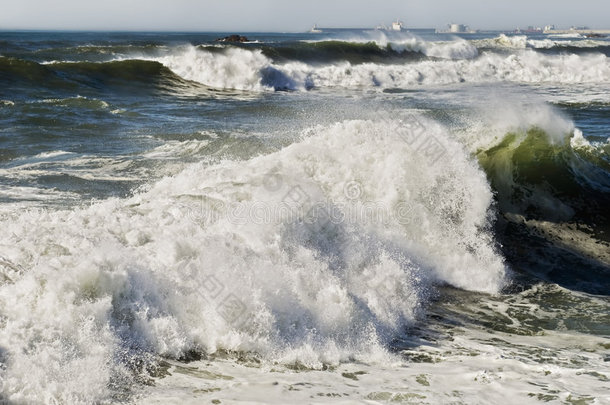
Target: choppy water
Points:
(352, 216)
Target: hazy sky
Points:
(286, 15)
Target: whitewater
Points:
(236, 68)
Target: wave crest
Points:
(251, 70)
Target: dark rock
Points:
(233, 38)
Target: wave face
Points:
(341, 51)
(554, 193)
(242, 256)
(544, 45)
(531, 163)
(113, 76)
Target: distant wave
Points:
(252, 70)
(313, 65)
(333, 51)
(547, 45)
(129, 75)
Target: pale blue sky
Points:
(286, 15)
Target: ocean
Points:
(353, 216)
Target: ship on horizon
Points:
(315, 29)
(457, 29)
(397, 26)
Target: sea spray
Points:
(111, 285)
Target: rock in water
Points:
(233, 38)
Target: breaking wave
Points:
(252, 70)
(220, 258)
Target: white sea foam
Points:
(455, 50)
(528, 67)
(32, 195)
(400, 42)
(547, 43)
(48, 155)
(497, 117)
(76, 102)
(522, 42)
(502, 41)
(86, 167)
(575, 35)
(472, 367)
(213, 258)
(242, 69)
(234, 68)
(178, 149)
